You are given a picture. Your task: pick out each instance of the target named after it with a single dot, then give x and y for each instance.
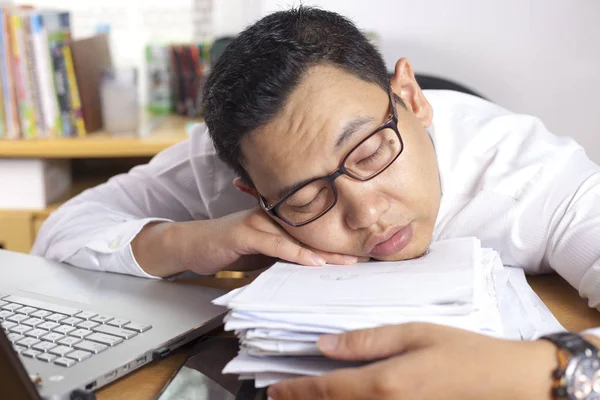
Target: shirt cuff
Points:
(592, 332)
(112, 251)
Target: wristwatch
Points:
(578, 374)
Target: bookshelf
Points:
(18, 228)
(168, 131)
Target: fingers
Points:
(382, 342)
(342, 384)
(337, 259)
(383, 380)
(279, 246)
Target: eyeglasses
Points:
(365, 161)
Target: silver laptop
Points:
(77, 330)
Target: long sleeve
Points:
(525, 192)
(185, 182)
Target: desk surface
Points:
(570, 310)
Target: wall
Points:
(540, 57)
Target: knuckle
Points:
(279, 243)
(388, 385)
(359, 341)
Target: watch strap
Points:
(571, 342)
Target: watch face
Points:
(584, 382)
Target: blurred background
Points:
(90, 89)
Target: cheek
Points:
(413, 179)
(323, 234)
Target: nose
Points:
(361, 202)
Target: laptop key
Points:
(79, 355)
(40, 314)
(55, 317)
(111, 330)
(48, 325)
(19, 349)
(104, 339)
(70, 311)
(20, 329)
(118, 322)
(27, 310)
(53, 337)
(7, 325)
(90, 346)
(47, 357)
(36, 333)
(88, 325)
(80, 333)
(11, 307)
(101, 319)
(14, 337)
(18, 318)
(33, 322)
(73, 321)
(44, 346)
(138, 327)
(3, 303)
(28, 342)
(5, 314)
(30, 353)
(86, 315)
(64, 329)
(69, 341)
(64, 362)
(60, 350)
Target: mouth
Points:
(391, 242)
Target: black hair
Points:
(259, 69)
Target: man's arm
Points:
(179, 212)
(185, 182)
(557, 225)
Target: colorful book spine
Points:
(76, 111)
(11, 112)
(32, 78)
(56, 40)
(44, 78)
(24, 98)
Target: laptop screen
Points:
(18, 384)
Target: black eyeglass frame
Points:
(391, 123)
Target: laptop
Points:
(76, 330)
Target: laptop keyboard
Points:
(61, 335)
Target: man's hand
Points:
(244, 240)
(428, 362)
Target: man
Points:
(346, 165)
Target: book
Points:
(21, 76)
(9, 96)
(44, 76)
(32, 76)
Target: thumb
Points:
(381, 342)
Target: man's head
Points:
(278, 102)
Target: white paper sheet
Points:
(445, 276)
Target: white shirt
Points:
(532, 196)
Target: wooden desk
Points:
(570, 310)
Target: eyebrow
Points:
(349, 129)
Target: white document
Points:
(444, 277)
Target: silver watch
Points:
(578, 374)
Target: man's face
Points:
(390, 217)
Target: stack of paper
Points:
(279, 317)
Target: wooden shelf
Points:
(168, 131)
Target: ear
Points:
(244, 187)
(405, 85)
